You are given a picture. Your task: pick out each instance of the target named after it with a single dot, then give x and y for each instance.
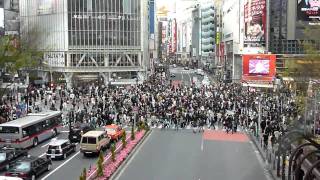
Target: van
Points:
(93, 142)
(9, 178)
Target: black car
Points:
(9, 155)
(28, 168)
(77, 130)
(60, 148)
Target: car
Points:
(200, 72)
(60, 148)
(93, 142)
(9, 155)
(172, 75)
(30, 167)
(78, 130)
(114, 131)
(9, 178)
(186, 68)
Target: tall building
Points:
(208, 32)
(288, 20)
(90, 38)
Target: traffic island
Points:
(121, 154)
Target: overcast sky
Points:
(1, 17)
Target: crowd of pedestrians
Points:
(161, 104)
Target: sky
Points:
(1, 17)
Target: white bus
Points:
(30, 130)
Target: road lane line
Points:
(202, 144)
(57, 168)
(45, 145)
(132, 157)
(64, 131)
(42, 155)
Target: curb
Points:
(253, 140)
(125, 162)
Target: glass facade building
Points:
(103, 36)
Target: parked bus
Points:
(30, 130)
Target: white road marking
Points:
(262, 164)
(42, 155)
(202, 144)
(133, 157)
(189, 77)
(64, 131)
(57, 168)
(45, 145)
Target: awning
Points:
(258, 85)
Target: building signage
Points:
(255, 23)
(308, 10)
(174, 34)
(218, 38)
(54, 59)
(89, 16)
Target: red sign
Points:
(260, 68)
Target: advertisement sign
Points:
(308, 10)
(258, 68)
(255, 23)
(46, 7)
(174, 38)
(218, 38)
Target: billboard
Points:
(308, 10)
(255, 23)
(259, 68)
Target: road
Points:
(184, 76)
(184, 155)
(69, 168)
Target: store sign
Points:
(54, 59)
(308, 10)
(89, 16)
(255, 23)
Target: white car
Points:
(200, 72)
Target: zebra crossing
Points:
(181, 71)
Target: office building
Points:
(88, 39)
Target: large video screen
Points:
(259, 66)
(308, 10)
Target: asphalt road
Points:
(184, 76)
(184, 155)
(67, 169)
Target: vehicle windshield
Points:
(53, 147)
(22, 166)
(9, 130)
(2, 157)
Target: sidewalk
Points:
(269, 157)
